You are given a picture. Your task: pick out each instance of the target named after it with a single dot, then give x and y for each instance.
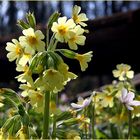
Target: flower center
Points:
(32, 40)
(73, 39)
(18, 50)
(80, 57)
(62, 29)
(75, 18)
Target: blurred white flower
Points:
(127, 99)
(82, 103)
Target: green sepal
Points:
(60, 133)
(53, 18)
(31, 19)
(37, 62)
(57, 58)
(67, 53)
(22, 24)
(63, 116)
(69, 122)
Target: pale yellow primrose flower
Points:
(79, 18)
(54, 79)
(62, 28)
(67, 76)
(119, 119)
(36, 100)
(21, 135)
(24, 59)
(32, 41)
(26, 76)
(76, 37)
(84, 59)
(15, 50)
(107, 101)
(123, 71)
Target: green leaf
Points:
(100, 134)
(9, 123)
(33, 133)
(53, 18)
(11, 95)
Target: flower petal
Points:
(135, 103)
(124, 94)
(76, 105)
(130, 97)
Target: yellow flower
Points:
(107, 101)
(119, 119)
(67, 76)
(21, 135)
(76, 37)
(79, 18)
(1, 134)
(123, 72)
(54, 79)
(32, 41)
(24, 59)
(15, 50)
(36, 100)
(62, 28)
(136, 111)
(26, 76)
(84, 59)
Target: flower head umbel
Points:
(84, 59)
(79, 18)
(123, 72)
(76, 37)
(127, 99)
(62, 28)
(82, 103)
(32, 41)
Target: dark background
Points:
(114, 36)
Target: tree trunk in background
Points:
(95, 9)
(32, 7)
(42, 12)
(79, 3)
(84, 6)
(105, 8)
(60, 7)
(125, 4)
(114, 10)
(12, 13)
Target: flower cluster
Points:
(43, 69)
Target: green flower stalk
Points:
(130, 124)
(46, 116)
